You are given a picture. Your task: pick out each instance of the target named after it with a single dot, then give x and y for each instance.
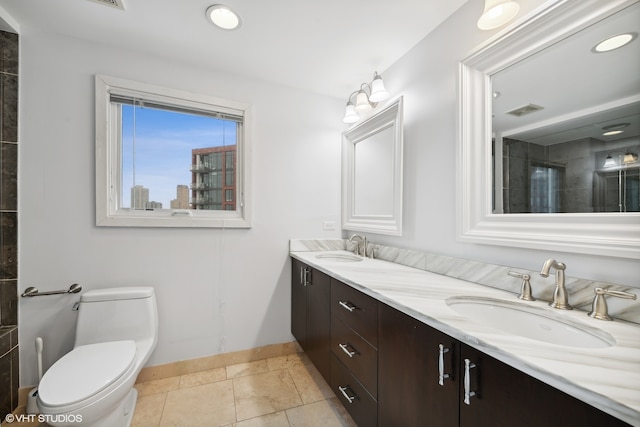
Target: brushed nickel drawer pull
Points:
(345, 348)
(441, 374)
(347, 305)
(468, 394)
(343, 390)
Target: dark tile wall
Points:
(9, 359)
(576, 159)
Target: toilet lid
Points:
(85, 371)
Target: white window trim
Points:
(108, 161)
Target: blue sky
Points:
(162, 150)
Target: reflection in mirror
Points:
(372, 173)
(373, 164)
(530, 179)
(559, 114)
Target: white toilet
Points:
(116, 332)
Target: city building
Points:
(213, 179)
(139, 197)
(182, 198)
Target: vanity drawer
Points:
(357, 310)
(357, 355)
(353, 396)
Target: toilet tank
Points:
(114, 314)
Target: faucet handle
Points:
(525, 291)
(599, 309)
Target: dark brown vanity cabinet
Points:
(503, 396)
(354, 348)
(427, 378)
(310, 314)
(413, 389)
(389, 369)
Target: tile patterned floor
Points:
(277, 392)
(281, 391)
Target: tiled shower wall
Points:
(9, 381)
(578, 159)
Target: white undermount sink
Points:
(530, 322)
(340, 257)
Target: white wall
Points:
(217, 290)
(427, 77)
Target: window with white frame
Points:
(164, 157)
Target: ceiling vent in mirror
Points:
(118, 4)
(523, 111)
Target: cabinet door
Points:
(318, 345)
(298, 302)
(507, 397)
(409, 393)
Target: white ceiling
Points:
(568, 80)
(327, 47)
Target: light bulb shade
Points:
(350, 115)
(378, 92)
(497, 13)
(609, 162)
(630, 158)
(362, 103)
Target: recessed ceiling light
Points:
(614, 42)
(612, 132)
(223, 17)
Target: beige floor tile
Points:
(318, 414)
(206, 405)
(287, 361)
(335, 402)
(310, 384)
(204, 377)
(277, 419)
(249, 368)
(157, 386)
(264, 393)
(149, 410)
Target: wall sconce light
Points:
(497, 13)
(365, 103)
(628, 157)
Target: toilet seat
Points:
(85, 371)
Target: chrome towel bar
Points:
(34, 292)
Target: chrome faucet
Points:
(363, 241)
(560, 296)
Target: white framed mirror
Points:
(372, 173)
(481, 175)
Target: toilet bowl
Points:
(92, 385)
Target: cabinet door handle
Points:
(343, 390)
(302, 281)
(345, 348)
(347, 305)
(468, 394)
(441, 374)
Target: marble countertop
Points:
(606, 378)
